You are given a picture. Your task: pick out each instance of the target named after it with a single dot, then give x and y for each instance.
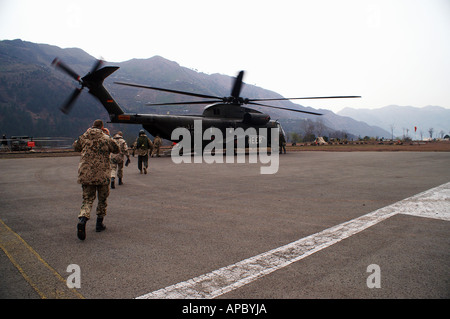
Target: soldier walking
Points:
(282, 143)
(144, 146)
(94, 173)
(156, 145)
(117, 159)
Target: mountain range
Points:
(31, 92)
(401, 121)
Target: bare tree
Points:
(309, 128)
(295, 137)
(430, 131)
(392, 130)
(320, 127)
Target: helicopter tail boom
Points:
(94, 82)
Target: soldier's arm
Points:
(150, 144)
(77, 145)
(114, 147)
(125, 150)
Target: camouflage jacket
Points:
(95, 147)
(123, 150)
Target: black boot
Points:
(99, 226)
(81, 228)
(112, 183)
(120, 181)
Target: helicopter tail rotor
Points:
(58, 64)
(67, 107)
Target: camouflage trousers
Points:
(89, 194)
(117, 167)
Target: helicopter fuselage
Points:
(224, 117)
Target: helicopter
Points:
(222, 113)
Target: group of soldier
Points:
(143, 147)
(101, 161)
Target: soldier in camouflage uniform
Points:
(156, 145)
(94, 172)
(117, 159)
(144, 146)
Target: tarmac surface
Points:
(182, 221)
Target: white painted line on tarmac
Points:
(434, 203)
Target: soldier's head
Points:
(141, 132)
(98, 124)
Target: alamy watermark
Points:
(234, 139)
(374, 280)
(74, 279)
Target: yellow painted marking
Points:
(45, 280)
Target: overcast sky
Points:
(387, 51)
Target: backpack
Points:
(142, 142)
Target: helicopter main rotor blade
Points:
(183, 103)
(237, 85)
(308, 98)
(168, 90)
(285, 108)
(60, 65)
